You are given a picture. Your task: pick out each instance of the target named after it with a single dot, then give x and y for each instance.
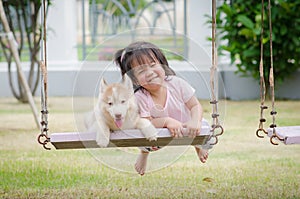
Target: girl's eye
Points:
(123, 101)
(152, 64)
(139, 72)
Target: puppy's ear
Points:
(127, 82)
(102, 86)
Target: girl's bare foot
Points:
(141, 163)
(202, 154)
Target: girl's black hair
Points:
(136, 52)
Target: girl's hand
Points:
(193, 128)
(175, 127)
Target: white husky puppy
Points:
(117, 109)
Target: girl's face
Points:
(150, 74)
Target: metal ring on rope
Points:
(45, 141)
(275, 136)
(261, 130)
(215, 136)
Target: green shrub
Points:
(240, 24)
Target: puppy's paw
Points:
(153, 138)
(150, 132)
(102, 140)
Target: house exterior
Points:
(71, 73)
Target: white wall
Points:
(198, 32)
(62, 32)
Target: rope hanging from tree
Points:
(43, 138)
(214, 81)
(262, 79)
(271, 80)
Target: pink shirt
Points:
(178, 93)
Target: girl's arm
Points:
(194, 125)
(175, 127)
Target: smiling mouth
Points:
(151, 80)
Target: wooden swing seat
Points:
(126, 138)
(290, 134)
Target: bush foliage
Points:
(239, 23)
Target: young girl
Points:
(165, 99)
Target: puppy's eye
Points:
(110, 103)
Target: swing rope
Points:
(262, 79)
(214, 81)
(271, 81)
(43, 138)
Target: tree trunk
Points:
(14, 51)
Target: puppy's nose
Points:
(118, 116)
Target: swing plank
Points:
(126, 138)
(290, 134)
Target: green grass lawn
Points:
(239, 166)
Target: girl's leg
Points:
(202, 151)
(141, 162)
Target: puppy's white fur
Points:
(117, 109)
